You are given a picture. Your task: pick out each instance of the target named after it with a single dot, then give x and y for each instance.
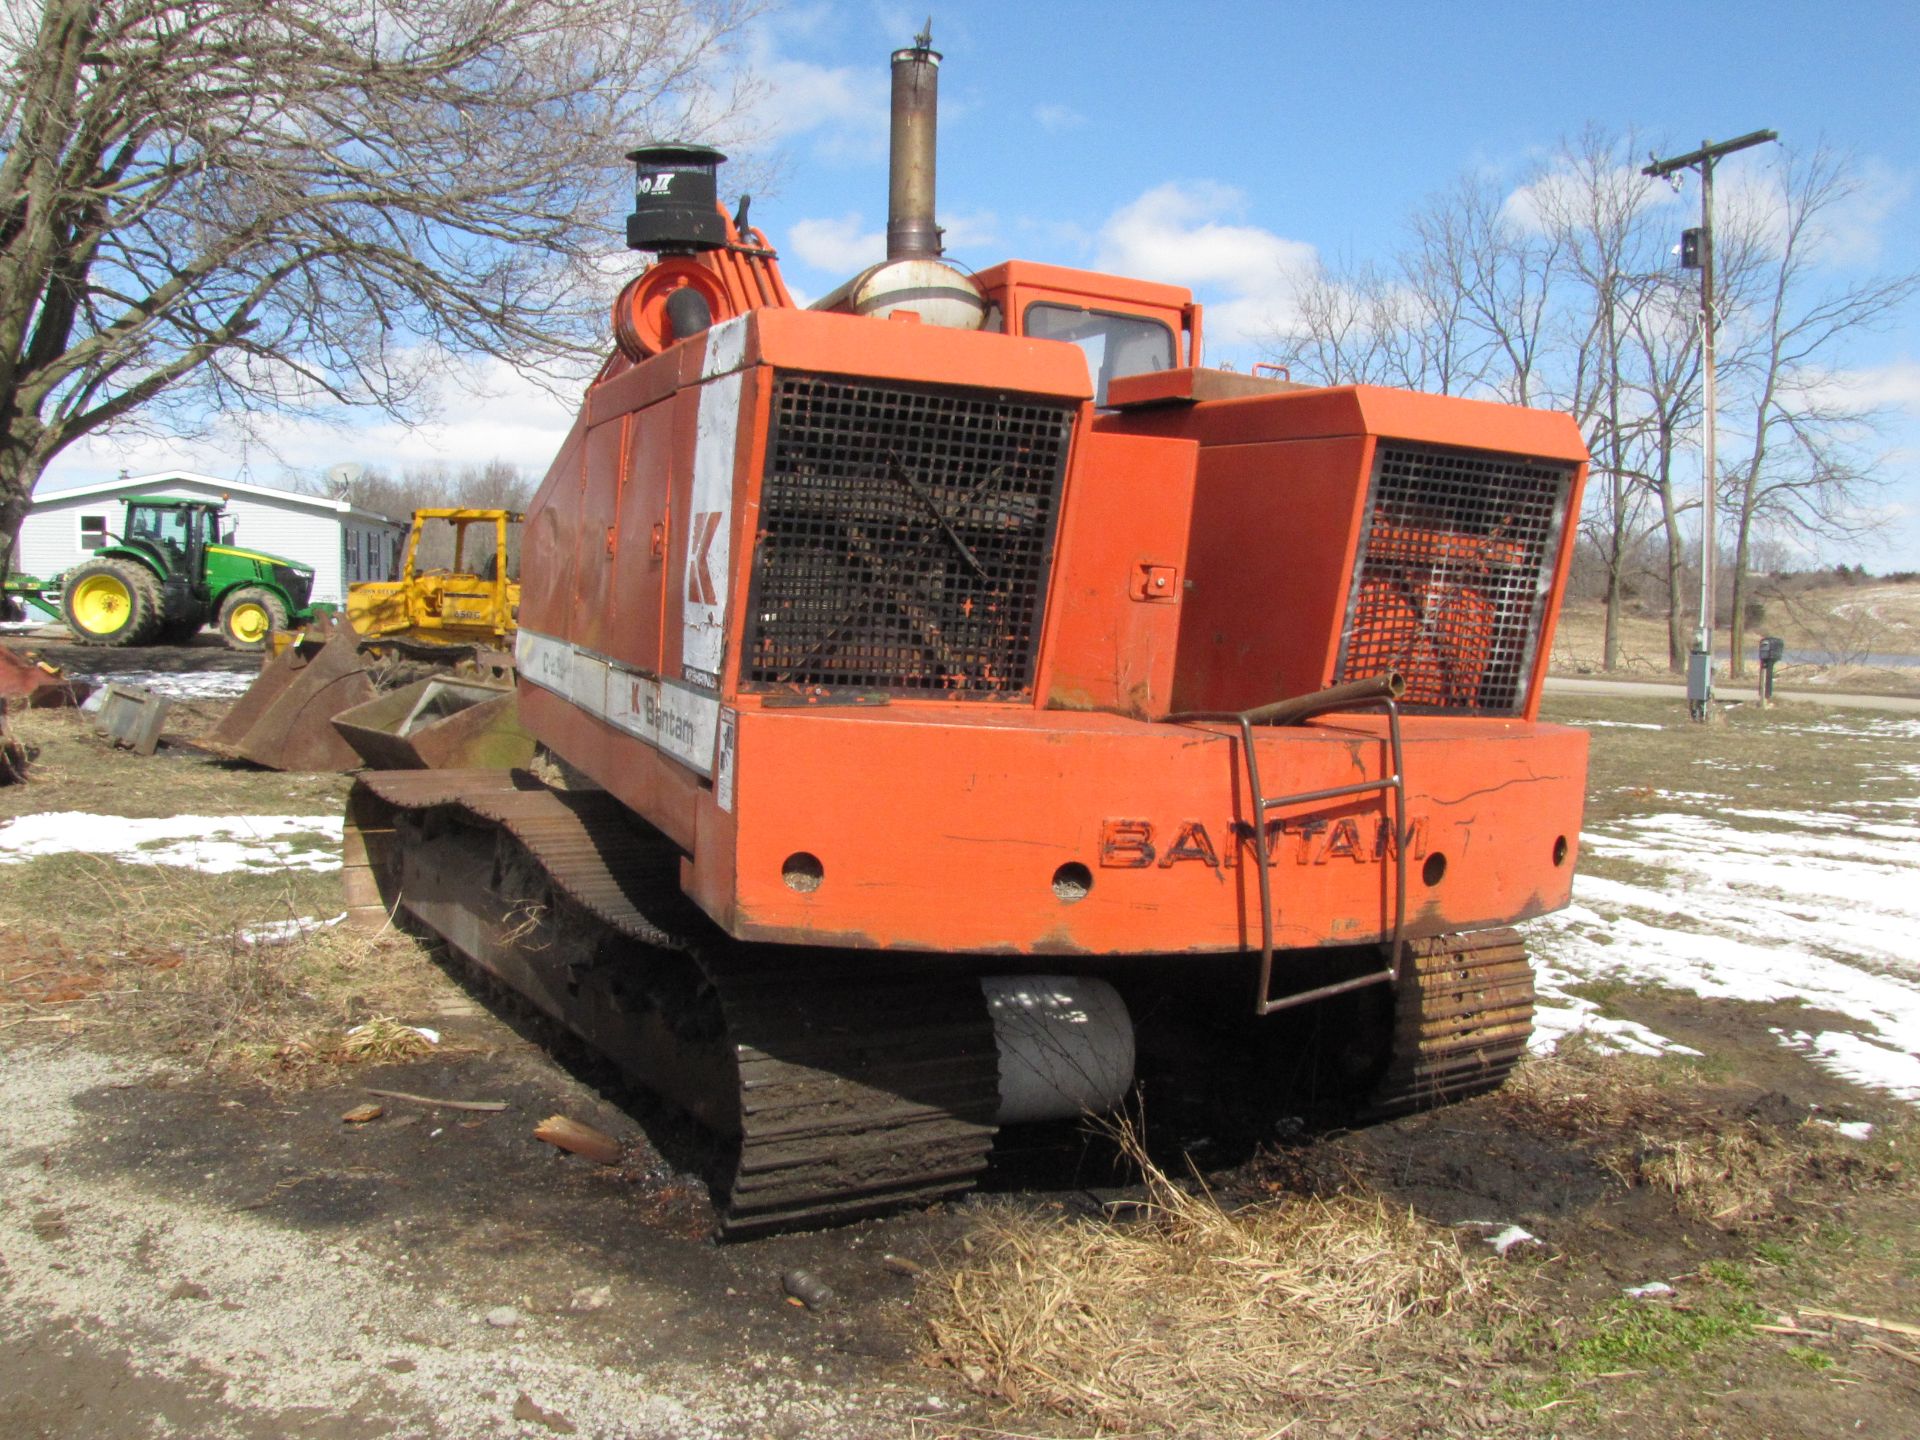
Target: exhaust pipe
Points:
(913, 278)
(912, 233)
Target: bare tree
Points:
(1562, 292)
(1663, 336)
(1344, 329)
(496, 485)
(231, 205)
(1787, 320)
(1601, 213)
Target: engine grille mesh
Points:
(905, 538)
(1450, 587)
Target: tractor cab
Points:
(175, 533)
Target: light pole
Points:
(1700, 663)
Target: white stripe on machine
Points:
(675, 719)
(703, 589)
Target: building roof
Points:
(135, 484)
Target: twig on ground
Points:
(1907, 1355)
(484, 1105)
(1892, 1327)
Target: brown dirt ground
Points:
(194, 1243)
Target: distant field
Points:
(1839, 637)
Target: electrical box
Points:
(1772, 650)
(1690, 244)
(1699, 683)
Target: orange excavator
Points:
(937, 684)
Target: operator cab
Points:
(1123, 326)
(180, 530)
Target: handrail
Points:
(1382, 690)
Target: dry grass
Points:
(1193, 1319)
(1717, 1163)
(159, 956)
(1746, 1172)
(74, 769)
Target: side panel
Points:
(949, 831)
(643, 524)
(706, 544)
(1274, 526)
(1114, 605)
(595, 621)
(547, 543)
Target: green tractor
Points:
(174, 569)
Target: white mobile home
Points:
(343, 543)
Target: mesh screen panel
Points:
(1450, 586)
(905, 538)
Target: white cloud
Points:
(1056, 118)
(1564, 191)
(840, 246)
(978, 233)
(842, 108)
(1183, 234)
(1883, 387)
(482, 411)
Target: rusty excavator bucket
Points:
(285, 720)
(439, 723)
(334, 699)
(414, 669)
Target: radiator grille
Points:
(1450, 587)
(905, 538)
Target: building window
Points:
(93, 531)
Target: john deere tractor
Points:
(175, 568)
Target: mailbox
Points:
(1772, 650)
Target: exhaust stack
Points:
(913, 279)
(912, 233)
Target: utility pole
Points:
(1700, 663)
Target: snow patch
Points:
(280, 932)
(211, 844)
(180, 685)
(1814, 908)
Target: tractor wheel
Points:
(113, 602)
(249, 615)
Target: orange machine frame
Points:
(1075, 819)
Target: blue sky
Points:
(1218, 145)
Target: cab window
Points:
(1115, 345)
(167, 527)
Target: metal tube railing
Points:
(1383, 691)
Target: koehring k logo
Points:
(1305, 840)
(700, 587)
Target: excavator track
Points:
(838, 1086)
(1462, 1019)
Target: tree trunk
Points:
(1616, 562)
(1676, 582)
(20, 471)
(1737, 621)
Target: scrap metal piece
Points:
(41, 685)
(132, 717)
(439, 724)
(284, 722)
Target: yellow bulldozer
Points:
(420, 671)
(450, 604)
